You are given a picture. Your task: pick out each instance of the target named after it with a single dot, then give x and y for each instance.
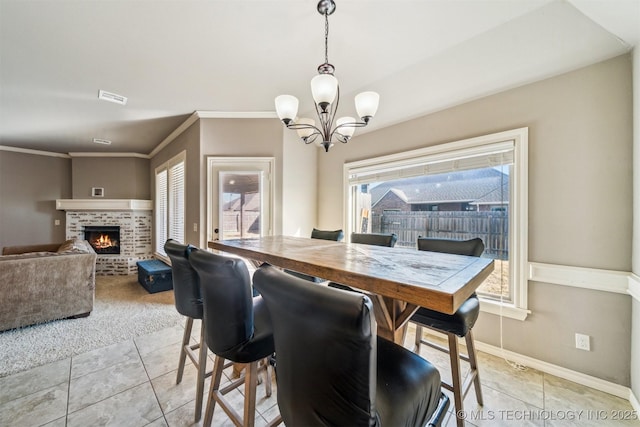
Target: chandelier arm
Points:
(308, 139)
(334, 109)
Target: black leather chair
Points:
(377, 239)
(333, 235)
(188, 301)
(455, 325)
(332, 368)
(238, 329)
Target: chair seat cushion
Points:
(407, 386)
(304, 276)
(458, 323)
(261, 343)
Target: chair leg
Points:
(218, 367)
(418, 340)
(216, 395)
(268, 376)
(473, 362)
(250, 384)
(202, 372)
(456, 380)
(183, 352)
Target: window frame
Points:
(169, 209)
(411, 162)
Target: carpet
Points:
(123, 309)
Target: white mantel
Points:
(104, 205)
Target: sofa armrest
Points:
(45, 247)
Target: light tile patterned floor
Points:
(133, 384)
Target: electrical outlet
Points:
(195, 227)
(582, 342)
(56, 222)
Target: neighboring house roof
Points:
(464, 186)
(251, 203)
(397, 192)
(498, 196)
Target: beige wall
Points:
(242, 138)
(635, 344)
(121, 177)
(188, 141)
(580, 199)
(299, 176)
(220, 137)
(29, 187)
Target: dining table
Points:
(399, 280)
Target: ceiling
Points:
(230, 58)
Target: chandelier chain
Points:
(326, 38)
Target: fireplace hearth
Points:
(105, 239)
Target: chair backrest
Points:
(377, 239)
(335, 235)
(186, 284)
(227, 301)
(471, 247)
(326, 350)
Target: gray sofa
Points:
(39, 283)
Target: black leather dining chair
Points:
(455, 325)
(238, 329)
(333, 235)
(332, 368)
(377, 239)
(188, 302)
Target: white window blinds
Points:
(176, 202)
(170, 202)
(430, 161)
(161, 210)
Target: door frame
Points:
(259, 163)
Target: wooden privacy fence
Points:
(249, 222)
(491, 227)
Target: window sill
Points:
(503, 309)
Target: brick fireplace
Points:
(134, 219)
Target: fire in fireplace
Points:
(104, 239)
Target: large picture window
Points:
(170, 202)
(459, 190)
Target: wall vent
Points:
(112, 97)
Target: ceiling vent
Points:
(101, 141)
(112, 97)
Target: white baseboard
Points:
(568, 374)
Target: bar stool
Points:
(455, 325)
(188, 302)
(238, 329)
(342, 374)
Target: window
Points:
(170, 204)
(459, 190)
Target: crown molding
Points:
(89, 154)
(36, 152)
(236, 114)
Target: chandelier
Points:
(326, 94)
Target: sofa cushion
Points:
(75, 245)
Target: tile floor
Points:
(133, 384)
